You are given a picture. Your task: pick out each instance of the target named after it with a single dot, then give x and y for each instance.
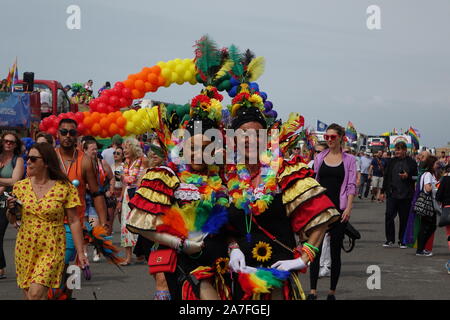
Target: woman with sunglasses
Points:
(11, 171)
(336, 171)
(46, 197)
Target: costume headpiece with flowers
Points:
(248, 105)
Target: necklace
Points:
(253, 201)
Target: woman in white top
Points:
(427, 224)
(117, 169)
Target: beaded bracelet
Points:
(311, 247)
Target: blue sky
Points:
(321, 59)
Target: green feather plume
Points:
(236, 57)
(207, 56)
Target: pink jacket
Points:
(349, 185)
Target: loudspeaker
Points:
(28, 78)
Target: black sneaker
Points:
(388, 244)
(424, 253)
(331, 297)
(402, 245)
(311, 297)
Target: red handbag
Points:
(164, 260)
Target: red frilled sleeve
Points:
(153, 199)
(304, 198)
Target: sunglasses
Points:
(33, 159)
(317, 151)
(117, 153)
(9, 142)
(71, 132)
(330, 137)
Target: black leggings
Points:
(427, 228)
(336, 237)
(3, 225)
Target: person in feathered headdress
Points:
(182, 205)
(271, 199)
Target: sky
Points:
(321, 59)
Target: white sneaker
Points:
(324, 272)
(96, 257)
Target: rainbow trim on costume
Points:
(262, 280)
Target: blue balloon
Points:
(254, 86)
(234, 81)
(263, 95)
(233, 92)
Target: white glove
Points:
(237, 260)
(288, 265)
(191, 247)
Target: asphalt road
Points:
(403, 275)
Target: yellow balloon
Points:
(171, 64)
(177, 60)
(193, 81)
(174, 77)
(187, 76)
(180, 69)
(166, 72)
(161, 64)
(129, 126)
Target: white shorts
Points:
(377, 182)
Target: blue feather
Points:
(218, 218)
(279, 274)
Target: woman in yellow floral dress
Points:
(46, 196)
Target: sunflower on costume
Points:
(222, 265)
(262, 251)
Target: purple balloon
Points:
(275, 114)
(263, 95)
(268, 105)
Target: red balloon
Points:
(52, 131)
(116, 92)
(102, 107)
(119, 85)
(93, 103)
(42, 127)
(93, 108)
(126, 93)
(81, 128)
(79, 116)
(123, 102)
(110, 109)
(102, 99)
(106, 93)
(114, 101)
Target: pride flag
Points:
(350, 132)
(414, 137)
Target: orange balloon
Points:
(118, 114)
(146, 70)
(122, 132)
(105, 122)
(104, 133)
(161, 81)
(139, 84)
(121, 122)
(152, 78)
(96, 129)
(113, 129)
(142, 76)
(112, 117)
(156, 69)
(96, 116)
(135, 93)
(149, 86)
(88, 122)
(86, 114)
(129, 84)
(132, 77)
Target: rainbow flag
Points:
(414, 137)
(350, 132)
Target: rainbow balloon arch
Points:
(105, 118)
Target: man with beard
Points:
(81, 172)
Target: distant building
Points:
(446, 149)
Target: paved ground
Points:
(403, 275)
